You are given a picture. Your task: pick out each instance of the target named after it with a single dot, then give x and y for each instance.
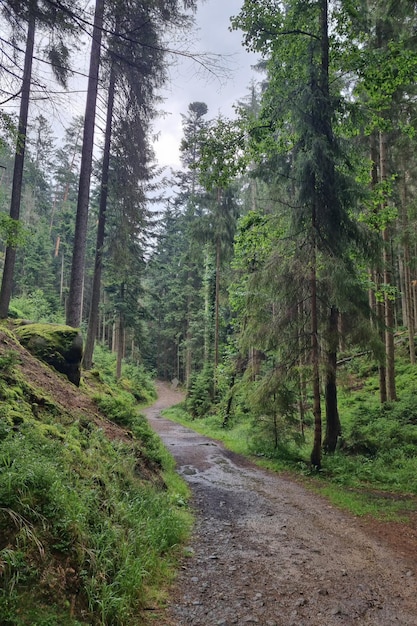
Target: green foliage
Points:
(35, 307)
(386, 428)
(138, 382)
(120, 409)
(135, 380)
(223, 155)
(200, 396)
(12, 232)
(255, 241)
(7, 362)
(272, 404)
(88, 527)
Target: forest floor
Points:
(266, 550)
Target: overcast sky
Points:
(189, 83)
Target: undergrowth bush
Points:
(385, 427)
(379, 447)
(200, 397)
(36, 306)
(135, 380)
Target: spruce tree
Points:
(297, 118)
(56, 21)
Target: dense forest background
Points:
(283, 247)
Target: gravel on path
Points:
(267, 551)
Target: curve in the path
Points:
(266, 551)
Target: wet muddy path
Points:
(266, 551)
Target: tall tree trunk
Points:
(407, 289)
(207, 308)
(120, 345)
(324, 121)
(389, 305)
(302, 396)
(315, 359)
(80, 237)
(188, 334)
(10, 258)
(375, 302)
(333, 426)
(120, 334)
(382, 370)
(98, 263)
(216, 307)
(402, 286)
(302, 383)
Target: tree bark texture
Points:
(120, 345)
(389, 304)
(217, 305)
(10, 257)
(315, 358)
(80, 237)
(98, 263)
(333, 426)
(407, 287)
(324, 120)
(375, 302)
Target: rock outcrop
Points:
(59, 346)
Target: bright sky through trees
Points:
(189, 83)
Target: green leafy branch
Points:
(12, 232)
(223, 155)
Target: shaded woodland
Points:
(282, 248)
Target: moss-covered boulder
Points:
(59, 346)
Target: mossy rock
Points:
(59, 346)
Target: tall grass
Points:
(89, 527)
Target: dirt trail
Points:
(266, 551)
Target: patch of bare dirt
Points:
(49, 385)
(267, 551)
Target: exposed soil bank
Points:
(266, 551)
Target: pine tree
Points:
(136, 68)
(74, 305)
(54, 19)
(297, 118)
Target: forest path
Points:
(267, 551)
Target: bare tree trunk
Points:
(302, 385)
(389, 305)
(333, 426)
(217, 306)
(382, 370)
(104, 320)
(120, 335)
(413, 291)
(401, 273)
(10, 258)
(375, 303)
(98, 263)
(61, 280)
(407, 287)
(207, 309)
(315, 358)
(409, 303)
(120, 345)
(188, 338)
(114, 338)
(80, 236)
